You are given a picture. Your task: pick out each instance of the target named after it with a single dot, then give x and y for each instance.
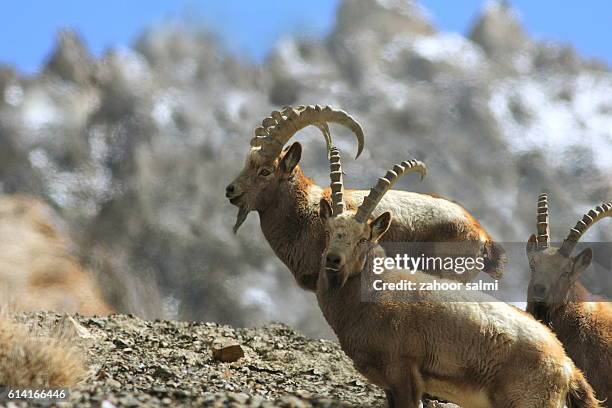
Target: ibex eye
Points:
(264, 172)
(363, 241)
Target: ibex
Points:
(581, 321)
(469, 349)
(287, 201)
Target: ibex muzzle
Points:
(333, 262)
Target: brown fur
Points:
(581, 321)
(581, 393)
(287, 204)
(468, 349)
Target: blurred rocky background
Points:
(126, 156)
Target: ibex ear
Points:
(532, 244)
(581, 262)
(325, 210)
(291, 158)
(380, 225)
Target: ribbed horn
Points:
(337, 184)
(587, 221)
(276, 130)
(385, 183)
(543, 237)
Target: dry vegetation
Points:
(32, 358)
(134, 362)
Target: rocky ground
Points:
(134, 362)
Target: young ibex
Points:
(469, 349)
(273, 184)
(555, 296)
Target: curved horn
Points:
(384, 184)
(543, 237)
(337, 184)
(587, 221)
(276, 130)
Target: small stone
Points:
(303, 394)
(96, 321)
(121, 343)
(129, 401)
(293, 402)
(159, 390)
(101, 375)
(238, 397)
(162, 372)
(227, 351)
(111, 382)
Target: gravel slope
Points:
(134, 362)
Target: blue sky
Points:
(28, 27)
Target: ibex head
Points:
(351, 236)
(268, 165)
(554, 271)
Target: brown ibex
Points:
(469, 349)
(581, 321)
(287, 201)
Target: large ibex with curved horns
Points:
(464, 347)
(581, 321)
(287, 201)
